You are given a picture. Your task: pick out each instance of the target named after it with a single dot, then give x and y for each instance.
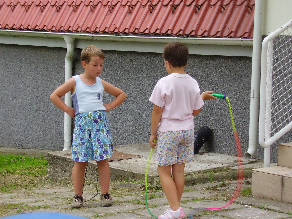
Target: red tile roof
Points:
(186, 18)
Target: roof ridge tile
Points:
(240, 3)
(200, 2)
(75, 2)
(145, 2)
(189, 2)
(41, 2)
(227, 2)
(214, 2)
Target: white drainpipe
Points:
(255, 81)
(68, 101)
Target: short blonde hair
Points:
(90, 51)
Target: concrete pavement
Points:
(210, 182)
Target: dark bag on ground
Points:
(204, 134)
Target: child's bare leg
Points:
(78, 172)
(179, 178)
(104, 175)
(168, 186)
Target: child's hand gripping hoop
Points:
(222, 96)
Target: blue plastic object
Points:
(43, 215)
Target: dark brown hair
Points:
(176, 54)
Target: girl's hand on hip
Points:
(71, 112)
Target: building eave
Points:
(137, 43)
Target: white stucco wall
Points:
(276, 14)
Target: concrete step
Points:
(273, 183)
(207, 167)
(284, 155)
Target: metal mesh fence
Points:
(276, 86)
(281, 83)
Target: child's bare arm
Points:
(155, 119)
(56, 96)
(207, 95)
(117, 92)
(196, 112)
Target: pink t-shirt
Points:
(179, 95)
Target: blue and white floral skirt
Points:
(91, 137)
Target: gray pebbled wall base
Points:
(28, 75)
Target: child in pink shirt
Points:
(176, 100)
